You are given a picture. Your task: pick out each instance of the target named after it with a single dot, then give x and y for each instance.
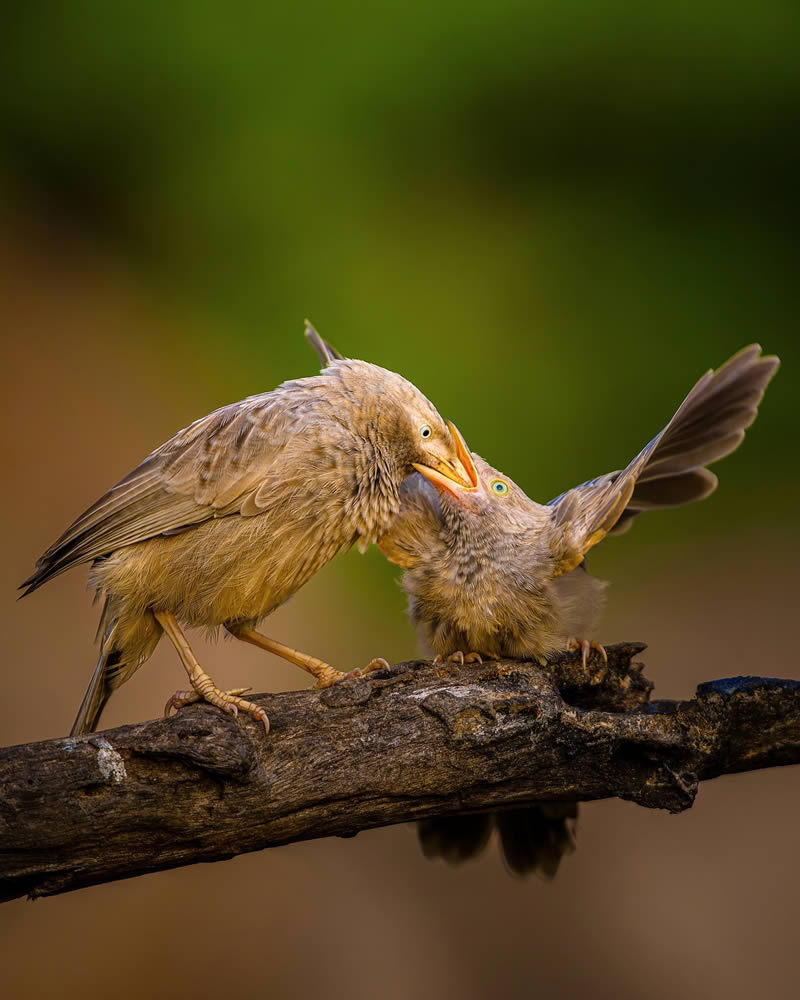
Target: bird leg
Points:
(459, 657)
(202, 685)
(325, 674)
(584, 645)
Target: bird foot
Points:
(228, 701)
(459, 657)
(585, 646)
(331, 676)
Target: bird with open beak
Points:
(231, 516)
(490, 572)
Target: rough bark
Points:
(415, 741)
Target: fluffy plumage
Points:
(232, 515)
(489, 570)
(493, 572)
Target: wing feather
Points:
(670, 470)
(206, 470)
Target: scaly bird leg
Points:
(325, 674)
(181, 698)
(201, 683)
(585, 646)
(459, 657)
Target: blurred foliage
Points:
(551, 217)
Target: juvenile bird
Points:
(490, 572)
(230, 517)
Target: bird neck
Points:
(467, 541)
(490, 544)
(359, 460)
(375, 489)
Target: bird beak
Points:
(456, 477)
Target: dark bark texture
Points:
(415, 741)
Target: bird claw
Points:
(377, 663)
(179, 699)
(585, 646)
(334, 676)
(459, 657)
(228, 701)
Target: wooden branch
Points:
(415, 741)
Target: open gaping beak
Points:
(456, 477)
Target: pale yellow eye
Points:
(425, 431)
(499, 487)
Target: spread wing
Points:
(416, 525)
(213, 468)
(670, 470)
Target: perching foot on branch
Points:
(417, 740)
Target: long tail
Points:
(97, 694)
(533, 839)
(127, 641)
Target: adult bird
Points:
(490, 572)
(230, 517)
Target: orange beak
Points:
(455, 477)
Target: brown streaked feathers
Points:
(670, 470)
(232, 515)
(505, 577)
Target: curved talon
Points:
(228, 701)
(261, 716)
(332, 676)
(585, 646)
(458, 657)
(378, 663)
(181, 698)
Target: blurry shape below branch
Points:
(416, 741)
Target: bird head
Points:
(402, 423)
(490, 494)
(437, 449)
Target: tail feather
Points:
(326, 352)
(97, 694)
(454, 838)
(533, 839)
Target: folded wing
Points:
(211, 469)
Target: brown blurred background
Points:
(552, 219)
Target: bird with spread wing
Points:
(491, 573)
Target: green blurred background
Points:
(552, 218)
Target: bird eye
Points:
(499, 487)
(425, 431)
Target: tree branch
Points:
(415, 741)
